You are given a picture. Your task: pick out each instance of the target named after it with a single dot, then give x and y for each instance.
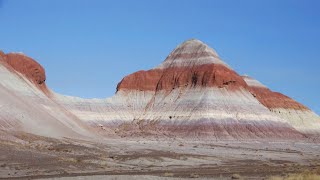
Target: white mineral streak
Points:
(253, 82)
(192, 47)
(302, 120)
(182, 106)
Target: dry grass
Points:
(236, 176)
(302, 176)
(168, 174)
(194, 175)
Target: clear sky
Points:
(88, 46)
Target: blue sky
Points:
(88, 46)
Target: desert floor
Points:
(25, 156)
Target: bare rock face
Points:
(26, 104)
(275, 99)
(141, 80)
(207, 75)
(28, 67)
(271, 99)
(2, 55)
(298, 115)
(192, 64)
(191, 94)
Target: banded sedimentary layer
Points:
(25, 103)
(192, 94)
(297, 115)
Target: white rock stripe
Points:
(192, 47)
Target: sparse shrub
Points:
(184, 158)
(276, 178)
(236, 176)
(302, 176)
(194, 175)
(66, 150)
(168, 174)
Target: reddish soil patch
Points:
(207, 75)
(28, 67)
(275, 100)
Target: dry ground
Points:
(25, 156)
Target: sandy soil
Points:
(25, 156)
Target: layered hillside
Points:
(298, 115)
(191, 94)
(25, 104)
